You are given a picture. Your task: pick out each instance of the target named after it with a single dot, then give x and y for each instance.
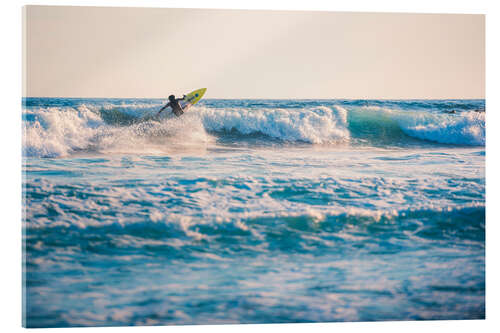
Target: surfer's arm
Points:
(163, 108)
(181, 99)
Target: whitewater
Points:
(252, 211)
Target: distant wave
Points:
(388, 125)
(468, 128)
(129, 128)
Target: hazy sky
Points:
(153, 52)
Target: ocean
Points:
(252, 211)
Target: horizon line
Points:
(269, 98)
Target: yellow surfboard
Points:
(192, 98)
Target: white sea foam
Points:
(60, 132)
(314, 125)
(466, 128)
(202, 201)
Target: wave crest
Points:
(316, 125)
(60, 132)
(467, 128)
(381, 124)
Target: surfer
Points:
(174, 104)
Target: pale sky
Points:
(154, 52)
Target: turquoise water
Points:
(252, 211)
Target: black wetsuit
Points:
(176, 107)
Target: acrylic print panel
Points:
(332, 170)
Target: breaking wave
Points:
(130, 128)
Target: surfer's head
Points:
(171, 98)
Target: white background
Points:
(10, 131)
